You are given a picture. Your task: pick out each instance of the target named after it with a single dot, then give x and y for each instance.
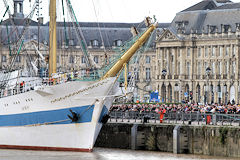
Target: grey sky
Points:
(115, 10)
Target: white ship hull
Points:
(38, 119)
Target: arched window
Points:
(71, 59)
(148, 59)
(18, 59)
(95, 58)
(4, 58)
(148, 74)
(83, 59)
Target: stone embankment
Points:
(205, 140)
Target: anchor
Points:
(74, 116)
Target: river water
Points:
(97, 154)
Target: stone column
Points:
(175, 61)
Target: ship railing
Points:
(15, 87)
(20, 86)
(192, 118)
(88, 76)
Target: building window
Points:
(213, 29)
(221, 51)
(147, 59)
(95, 43)
(233, 50)
(71, 59)
(226, 67)
(179, 53)
(35, 37)
(83, 59)
(199, 51)
(188, 51)
(199, 68)
(219, 68)
(71, 42)
(206, 51)
(213, 51)
(118, 43)
(45, 42)
(18, 59)
(233, 67)
(160, 54)
(136, 73)
(227, 51)
(213, 67)
(226, 28)
(4, 58)
(178, 68)
(95, 58)
(148, 74)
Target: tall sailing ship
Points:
(60, 115)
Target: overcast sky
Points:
(114, 10)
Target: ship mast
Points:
(112, 72)
(52, 39)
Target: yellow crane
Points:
(112, 72)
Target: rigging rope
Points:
(80, 36)
(9, 46)
(99, 27)
(65, 30)
(4, 14)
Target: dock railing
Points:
(192, 118)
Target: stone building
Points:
(197, 57)
(102, 40)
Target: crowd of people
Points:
(186, 108)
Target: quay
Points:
(217, 137)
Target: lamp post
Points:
(208, 71)
(164, 72)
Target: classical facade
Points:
(197, 57)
